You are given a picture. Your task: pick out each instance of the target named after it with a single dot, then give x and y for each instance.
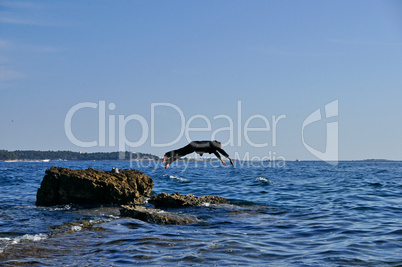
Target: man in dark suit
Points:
(200, 147)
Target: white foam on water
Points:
(264, 180)
(76, 228)
(261, 179)
(6, 241)
(177, 178)
(65, 207)
(28, 237)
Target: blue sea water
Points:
(280, 214)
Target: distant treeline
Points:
(70, 155)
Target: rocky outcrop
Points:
(156, 215)
(177, 200)
(65, 186)
(164, 200)
(123, 187)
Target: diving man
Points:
(199, 147)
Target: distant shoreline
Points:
(34, 155)
(45, 156)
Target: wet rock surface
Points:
(65, 186)
(169, 201)
(129, 188)
(177, 200)
(157, 216)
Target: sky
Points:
(308, 80)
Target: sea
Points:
(305, 213)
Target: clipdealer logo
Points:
(238, 126)
(109, 124)
(330, 155)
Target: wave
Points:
(60, 208)
(172, 177)
(76, 228)
(264, 180)
(6, 241)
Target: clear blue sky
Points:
(207, 59)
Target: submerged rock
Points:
(64, 186)
(177, 200)
(157, 216)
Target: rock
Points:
(177, 200)
(65, 186)
(157, 216)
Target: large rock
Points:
(64, 186)
(157, 216)
(177, 200)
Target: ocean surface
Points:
(279, 214)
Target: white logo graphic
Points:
(331, 150)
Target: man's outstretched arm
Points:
(223, 152)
